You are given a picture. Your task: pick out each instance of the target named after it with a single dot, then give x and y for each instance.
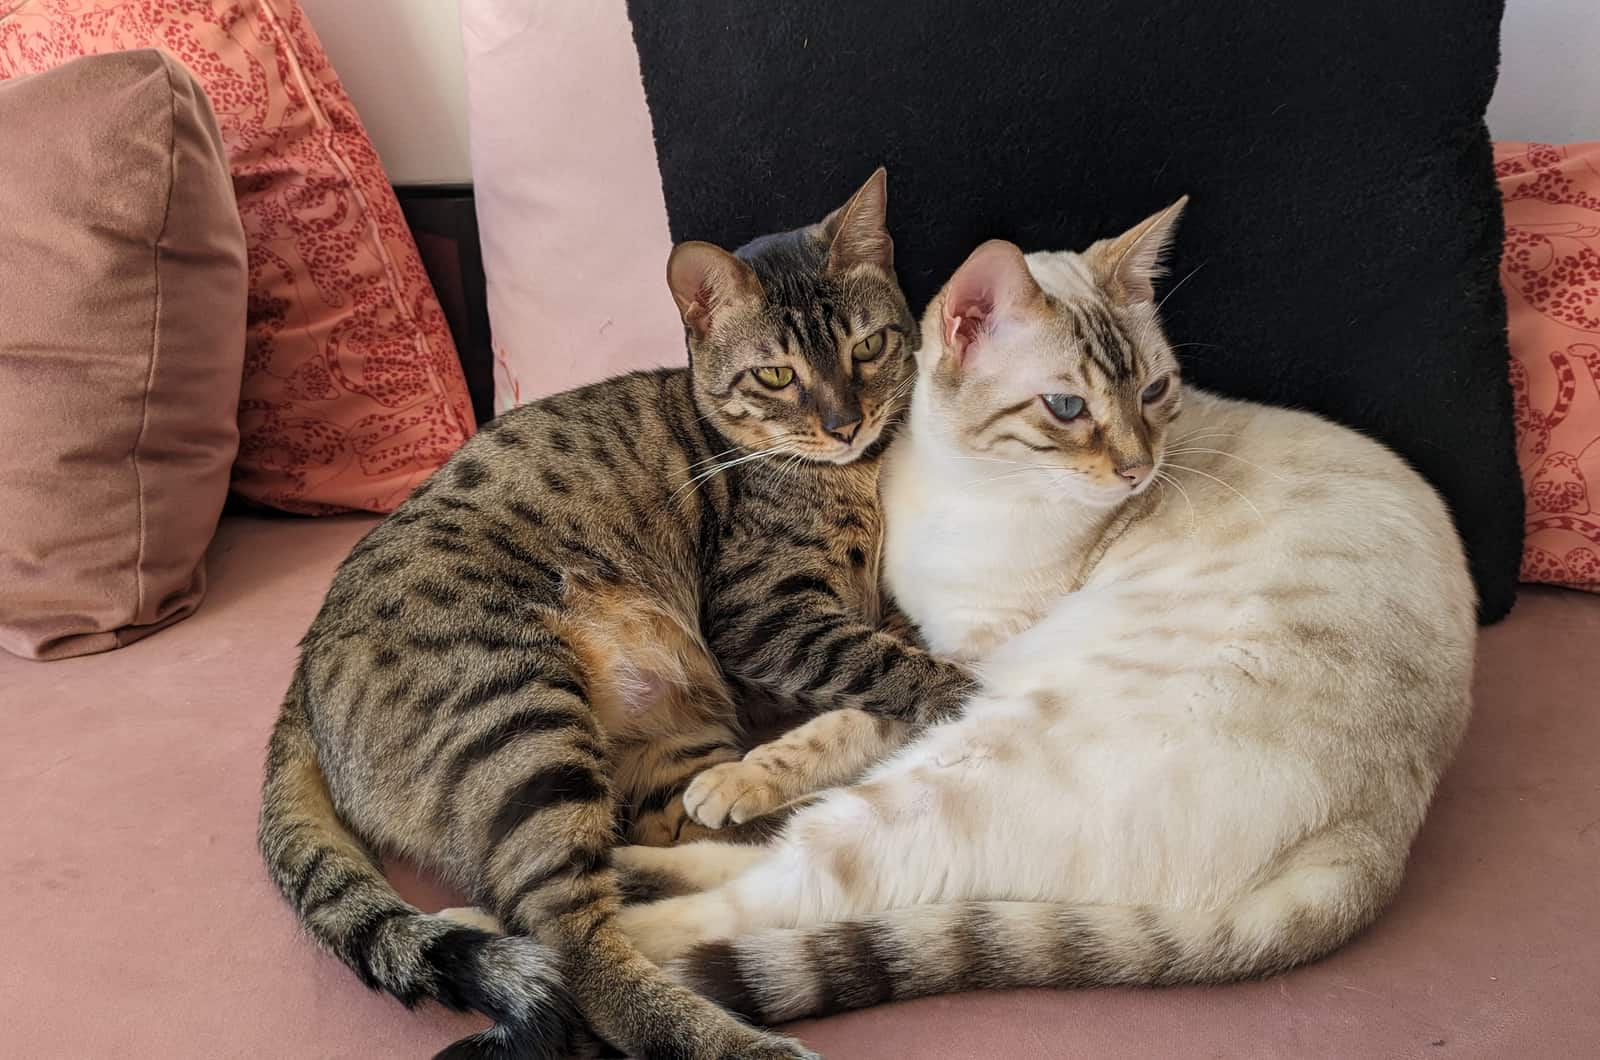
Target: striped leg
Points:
(545, 852)
(656, 773)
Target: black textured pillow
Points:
(1341, 248)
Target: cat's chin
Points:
(847, 454)
(844, 456)
(1100, 498)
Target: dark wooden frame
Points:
(444, 222)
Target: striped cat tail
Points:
(344, 902)
(777, 975)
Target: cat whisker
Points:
(782, 468)
(1014, 473)
(1167, 480)
(1153, 321)
(1196, 435)
(770, 451)
(1230, 456)
(1178, 285)
(1004, 460)
(734, 449)
(1221, 482)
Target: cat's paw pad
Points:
(732, 793)
(472, 916)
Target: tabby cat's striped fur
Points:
(530, 659)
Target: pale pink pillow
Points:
(573, 222)
(1551, 274)
(352, 392)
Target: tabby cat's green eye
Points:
(868, 348)
(774, 378)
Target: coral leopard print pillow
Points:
(1551, 273)
(352, 392)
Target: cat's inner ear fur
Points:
(992, 287)
(858, 231)
(705, 279)
(1129, 265)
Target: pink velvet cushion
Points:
(146, 926)
(122, 303)
(352, 390)
(1551, 274)
(569, 200)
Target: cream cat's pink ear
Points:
(991, 287)
(1130, 264)
(858, 231)
(705, 279)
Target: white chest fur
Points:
(966, 579)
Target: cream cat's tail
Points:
(778, 975)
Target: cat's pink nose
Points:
(1134, 474)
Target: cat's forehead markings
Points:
(1100, 339)
(1068, 381)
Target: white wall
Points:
(401, 61)
(1549, 72)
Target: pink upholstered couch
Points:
(140, 922)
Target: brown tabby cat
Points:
(529, 660)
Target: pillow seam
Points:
(392, 284)
(155, 338)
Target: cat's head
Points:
(1055, 362)
(798, 342)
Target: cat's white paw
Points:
(731, 793)
(472, 916)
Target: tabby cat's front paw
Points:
(732, 793)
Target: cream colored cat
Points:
(1213, 714)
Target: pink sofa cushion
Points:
(569, 200)
(352, 390)
(122, 297)
(128, 843)
(1551, 275)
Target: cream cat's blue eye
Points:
(1064, 407)
(1155, 390)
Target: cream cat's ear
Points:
(991, 287)
(706, 279)
(858, 231)
(1130, 264)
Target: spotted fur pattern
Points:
(539, 649)
(1223, 667)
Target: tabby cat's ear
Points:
(1129, 265)
(992, 288)
(706, 279)
(858, 232)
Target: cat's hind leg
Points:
(656, 773)
(877, 845)
(649, 873)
